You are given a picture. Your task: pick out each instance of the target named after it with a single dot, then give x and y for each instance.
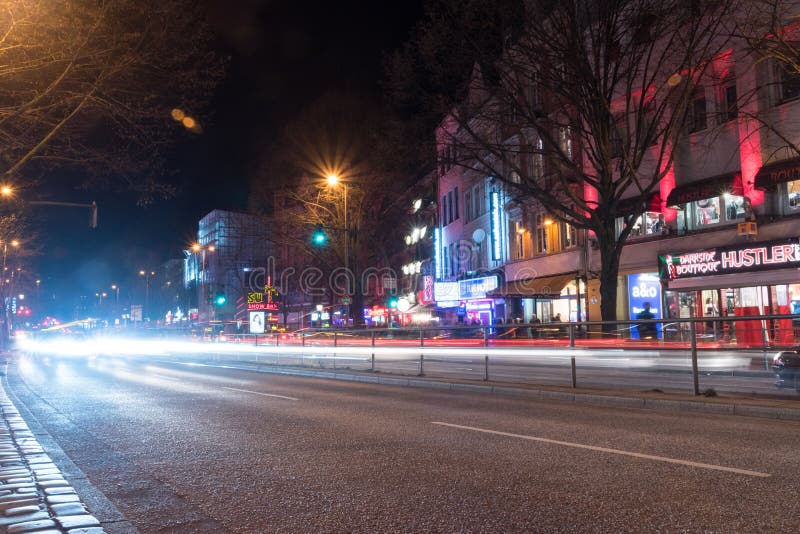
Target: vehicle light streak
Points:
(118, 346)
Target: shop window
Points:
(734, 207)
(649, 223)
(705, 212)
(793, 194)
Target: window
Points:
(565, 141)
(455, 195)
(541, 233)
(468, 205)
(729, 107)
(697, 119)
(734, 207)
(519, 236)
(705, 211)
(478, 200)
(449, 207)
(569, 236)
(444, 210)
(534, 91)
(619, 131)
(648, 224)
(793, 194)
(788, 83)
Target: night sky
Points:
(282, 56)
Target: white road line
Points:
(162, 377)
(262, 394)
(612, 451)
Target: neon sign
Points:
(497, 249)
(733, 259)
(437, 250)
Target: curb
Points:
(691, 406)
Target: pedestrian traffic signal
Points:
(392, 302)
(220, 299)
(319, 238)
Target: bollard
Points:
(574, 374)
(256, 337)
(695, 377)
(421, 361)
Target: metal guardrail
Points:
(760, 336)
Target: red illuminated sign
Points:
(733, 259)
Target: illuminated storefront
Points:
(743, 280)
(466, 301)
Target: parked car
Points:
(787, 368)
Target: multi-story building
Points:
(234, 252)
(720, 236)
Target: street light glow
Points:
(6, 190)
(333, 179)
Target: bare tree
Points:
(579, 112)
(89, 84)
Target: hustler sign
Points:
(733, 259)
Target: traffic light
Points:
(220, 299)
(319, 238)
(392, 302)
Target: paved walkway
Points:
(34, 494)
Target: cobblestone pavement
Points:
(34, 495)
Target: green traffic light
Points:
(392, 302)
(220, 300)
(319, 238)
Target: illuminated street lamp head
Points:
(6, 190)
(196, 247)
(333, 179)
(211, 248)
(142, 272)
(15, 243)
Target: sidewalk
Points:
(34, 494)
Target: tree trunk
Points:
(610, 252)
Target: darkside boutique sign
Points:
(732, 259)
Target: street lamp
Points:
(334, 180)
(115, 287)
(147, 275)
(6, 191)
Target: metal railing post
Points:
(335, 339)
(256, 338)
(765, 344)
(486, 354)
(574, 373)
(571, 335)
(373, 352)
(695, 377)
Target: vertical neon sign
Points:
(437, 252)
(497, 251)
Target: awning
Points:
(770, 176)
(627, 206)
(708, 188)
(545, 287)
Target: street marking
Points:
(612, 451)
(263, 394)
(163, 377)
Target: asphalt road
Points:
(189, 448)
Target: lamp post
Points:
(147, 274)
(115, 287)
(198, 248)
(333, 181)
(3, 283)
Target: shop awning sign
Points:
(744, 257)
